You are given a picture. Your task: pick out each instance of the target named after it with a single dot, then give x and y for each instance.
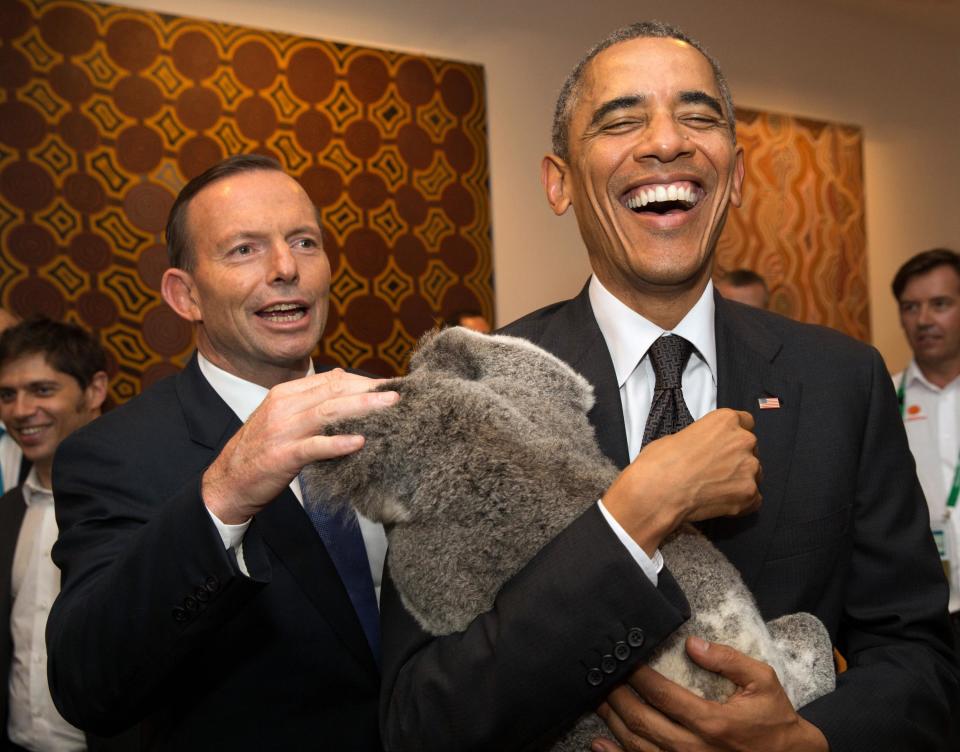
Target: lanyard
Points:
(955, 488)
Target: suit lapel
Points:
(283, 526)
(574, 336)
(288, 532)
(747, 372)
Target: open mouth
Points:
(664, 198)
(283, 312)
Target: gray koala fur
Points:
(485, 458)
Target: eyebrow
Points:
(701, 97)
(633, 100)
(612, 105)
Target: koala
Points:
(486, 457)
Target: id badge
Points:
(946, 540)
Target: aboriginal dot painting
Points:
(105, 112)
(802, 221)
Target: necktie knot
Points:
(669, 355)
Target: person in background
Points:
(744, 286)
(53, 380)
(199, 596)
(927, 289)
(470, 319)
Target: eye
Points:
(242, 250)
(44, 390)
(701, 120)
(306, 243)
(620, 126)
(6, 395)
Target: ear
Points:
(554, 174)
(179, 291)
(96, 391)
(736, 191)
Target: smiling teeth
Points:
(281, 307)
(685, 193)
(31, 430)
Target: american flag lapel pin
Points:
(769, 403)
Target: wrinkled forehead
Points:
(653, 67)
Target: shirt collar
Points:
(913, 375)
(243, 397)
(629, 335)
(33, 492)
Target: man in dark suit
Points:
(197, 596)
(645, 152)
(53, 380)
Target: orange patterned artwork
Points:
(105, 112)
(802, 221)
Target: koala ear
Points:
(448, 352)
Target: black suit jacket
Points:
(12, 509)
(843, 533)
(155, 622)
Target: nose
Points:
(284, 268)
(24, 405)
(924, 315)
(663, 140)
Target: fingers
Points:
(741, 669)
(639, 725)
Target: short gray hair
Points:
(641, 30)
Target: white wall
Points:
(827, 60)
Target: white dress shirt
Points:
(10, 459)
(931, 417)
(629, 336)
(243, 397)
(34, 722)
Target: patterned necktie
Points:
(668, 412)
(340, 532)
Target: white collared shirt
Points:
(34, 722)
(629, 336)
(931, 417)
(10, 458)
(243, 397)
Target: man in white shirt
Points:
(645, 152)
(927, 289)
(52, 382)
(199, 598)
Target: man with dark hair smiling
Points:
(199, 598)
(645, 152)
(927, 289)
(53, 380)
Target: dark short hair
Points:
(179, 248)
(921, 264)
(457, 316)
(641, 30)
(68, 348)
(743, 278)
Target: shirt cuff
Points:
(651, 567)
(231, 535)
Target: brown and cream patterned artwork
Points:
(802, 221)
(105, 112)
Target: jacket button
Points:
(201, 595)
(179, 614)
(635, 637)
(212, 584)
(190, 603)
(621, 651)
(608, 664)
(594, 677)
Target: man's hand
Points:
(281, 436)
(653, 713)
(709, 469)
